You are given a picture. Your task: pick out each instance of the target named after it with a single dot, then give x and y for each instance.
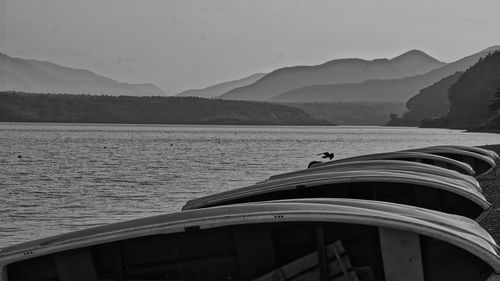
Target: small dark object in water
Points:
(19, 156)
(171, 145)
(327, 155)
(105, 147)
(312, 163)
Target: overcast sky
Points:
(195, 43)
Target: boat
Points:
(481, 164)
(314, 240)
(383, 165)
(421, 190)
(475, 149)
(406, 210)
(411, 156)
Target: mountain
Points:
(219, 89)
(351, 70)
(430, 102)
(26, 107)
(474, 91)
(389, 90)
(18, 74)
(415, 62)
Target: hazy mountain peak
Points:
(393, 90)
(338, 71)
(415, 54)
(45, 77)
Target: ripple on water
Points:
(72, 177)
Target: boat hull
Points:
(384, 165)
(482, 151)
(410, 156)
(251, 241)
(420, 190)
(481, 164)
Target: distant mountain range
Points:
(219, 89)
(339, 71)
(389, 90)
(26, 75)
(337, 91)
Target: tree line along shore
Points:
(41, 107)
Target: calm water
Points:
(71, 177)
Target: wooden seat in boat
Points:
(334, 261)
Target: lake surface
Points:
(56, 178)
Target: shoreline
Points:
(489, 131)
(491, 188)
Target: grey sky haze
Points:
(185, 44)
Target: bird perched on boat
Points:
(326, 155)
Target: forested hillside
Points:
(352, 113)
(474, 91)
(472, 96)
(26, 107)
(430, 102)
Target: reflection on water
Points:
(56, 178)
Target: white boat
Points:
(422, 190)
(382, 165)
(411, 156)
(481, 164)
(296, 240)
(482, 151)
